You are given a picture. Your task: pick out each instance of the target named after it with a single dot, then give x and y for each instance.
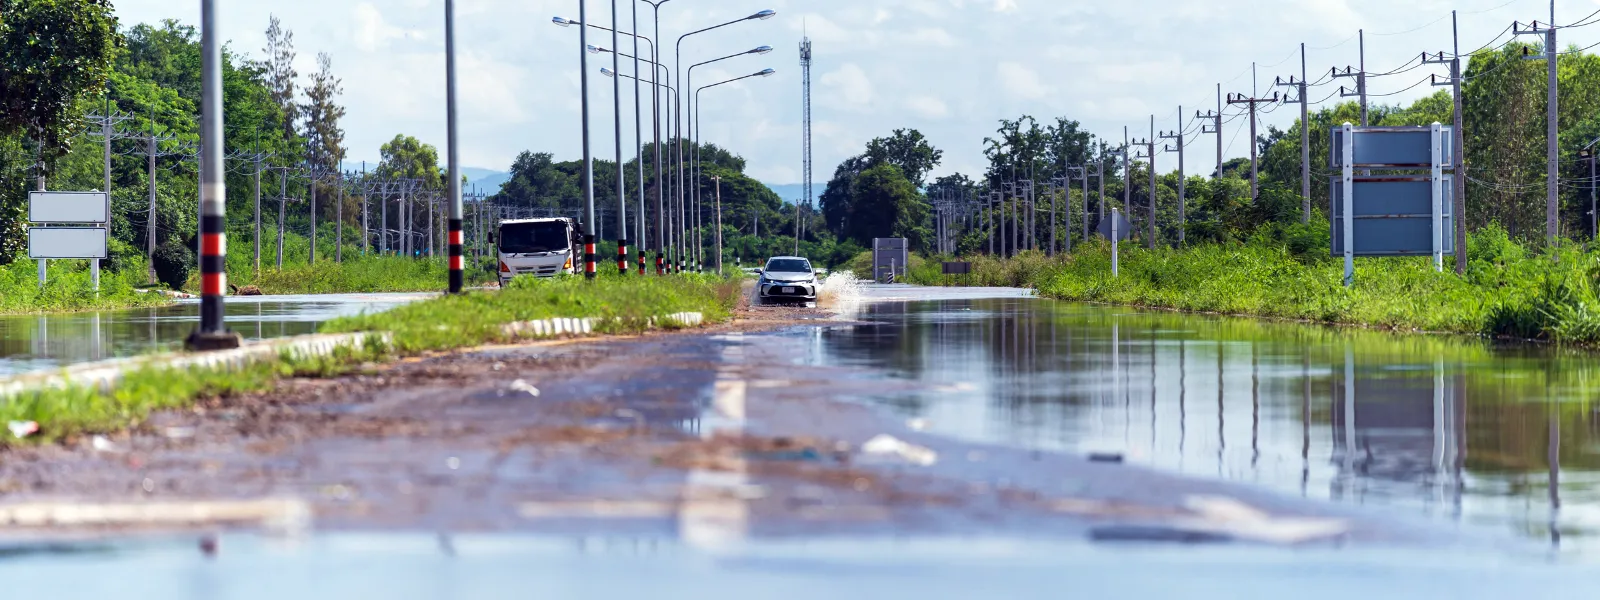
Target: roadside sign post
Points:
(68, 225)
(1114, 239)
(1348, 180)
(1396, 206)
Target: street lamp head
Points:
(562, 22)
(763, 15)
(607, 72)
(765, 72)
(596, 49)
(760, 50)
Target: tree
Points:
(324, 137)
(279, 66)
(52, 55)
(908, 150)
(884, 203)
(406, 157)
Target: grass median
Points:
(620, 303)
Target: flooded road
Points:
(603, 468)
(1447, 427)
(33, 342)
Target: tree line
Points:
(65, 61)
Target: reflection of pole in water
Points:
(1554, 458)
(1305, 421)
(1152, 386)
(94, 341)
(1183, 393)
(1222, 443)
(1349, 413)
(1255, 407)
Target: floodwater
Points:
(33, 342)
(1447, 428)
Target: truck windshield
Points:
(526, 238)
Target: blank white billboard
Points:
(67, 207)
(66, 242)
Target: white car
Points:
(787, 279)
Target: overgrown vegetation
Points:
(622, 304)
(69, 287)
(1507, 291)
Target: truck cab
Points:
(537, 247)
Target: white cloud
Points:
(928, 107)
(371, 32)
(931, 36)
(848, 88)
(1021, 81)
(952, 68)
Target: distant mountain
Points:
(793, 192)
(487, 180)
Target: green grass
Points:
(1507, 291)
(356, 274)
(68, 288)
(441, 323)
(623, 304)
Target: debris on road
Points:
(1105, 457)
(887, 445)
(918, 424)
(523, 386)
(101, 443)
(22, 429)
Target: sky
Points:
(949, 68)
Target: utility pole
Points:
(1127, 173)
(718, 181)
(1149, 144)
(283, 200)
(1305, 146)
(108, 123)
(153, 151)
(1552, 168)
(1251, 103)
(313, 174)
(1177, 137)
(1215, 116)
(1458, 190)
(1083, 178)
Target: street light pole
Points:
(588, 156)
(661, 183)
(453, 243)
(695, 167)
(212, 333)
(616, 112)
(678, 65)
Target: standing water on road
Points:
(33, 342)
(1450, 427)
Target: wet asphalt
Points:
(661, 463)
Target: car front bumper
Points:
(777, 290)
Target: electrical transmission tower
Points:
(805, 92)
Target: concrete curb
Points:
(560, 326)
(106, 374)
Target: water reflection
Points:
(32, 342)
(1449, 427)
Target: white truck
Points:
(537, 247)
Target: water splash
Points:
(839, 290)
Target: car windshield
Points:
(788, 265)
(526, 238)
